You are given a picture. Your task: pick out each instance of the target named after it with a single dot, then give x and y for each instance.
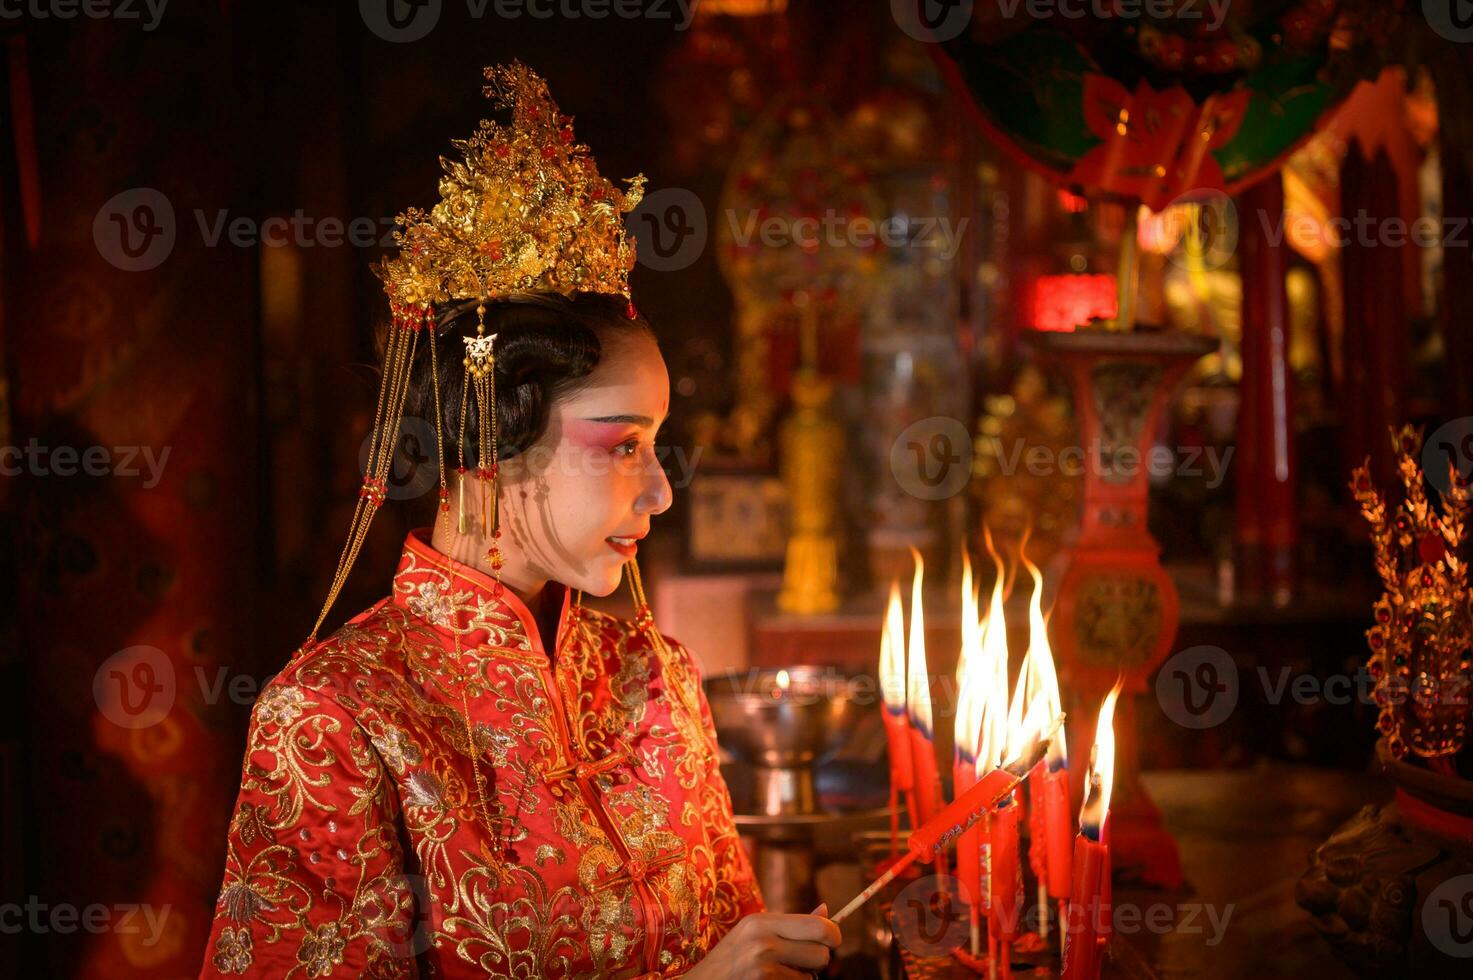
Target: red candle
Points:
(927, 777)
(897, 736)
(918, 699)
(968, 867)
(993, 730)
(1038, 845)
(1037, 830)
(1053, 785)
(969, 844)
(971, 693)
(1007, 874)
(1088, 925)
(897, 728)
(1050, 818)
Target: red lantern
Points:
(1064, 302)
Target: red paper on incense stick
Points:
(962, 812)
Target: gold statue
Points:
(811, 444)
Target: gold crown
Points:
(524, 211)
(1419, 642)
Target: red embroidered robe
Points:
(602, 844)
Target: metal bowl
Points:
(762, 723)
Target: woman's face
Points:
(575, 503)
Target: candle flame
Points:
(993, 671)
(1038, 678)
(969, 608)
(782, 679)
(970, 681)
(892, 653)
(1101, 777)
(918, 680)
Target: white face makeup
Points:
(574, 504)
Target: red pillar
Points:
(1375, 310)
(1268, 524)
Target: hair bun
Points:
(542, 354)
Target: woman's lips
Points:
(624, 546)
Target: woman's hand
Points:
(770, 946)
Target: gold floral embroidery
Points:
(242, 902)
(321, 950)
(397, 748)
(605, 802)
(431, 604)
(280, 705)
(233, 950)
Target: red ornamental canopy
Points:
(1151, 108)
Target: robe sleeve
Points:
(314, 883)
(737, 892)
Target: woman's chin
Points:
(602, 581)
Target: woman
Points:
(478, 775)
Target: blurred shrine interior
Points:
(1107, 334)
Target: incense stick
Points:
(914, 855)
(876, 885)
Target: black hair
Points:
(547, 345)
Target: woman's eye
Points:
(627, 448)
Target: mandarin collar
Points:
(457, 599)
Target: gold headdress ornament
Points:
(524, 211)
(1419, 642)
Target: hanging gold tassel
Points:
(480, 365)
(678, 680)
(388, 414)
(463, 517)
(444, 508)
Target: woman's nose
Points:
(656, 497)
